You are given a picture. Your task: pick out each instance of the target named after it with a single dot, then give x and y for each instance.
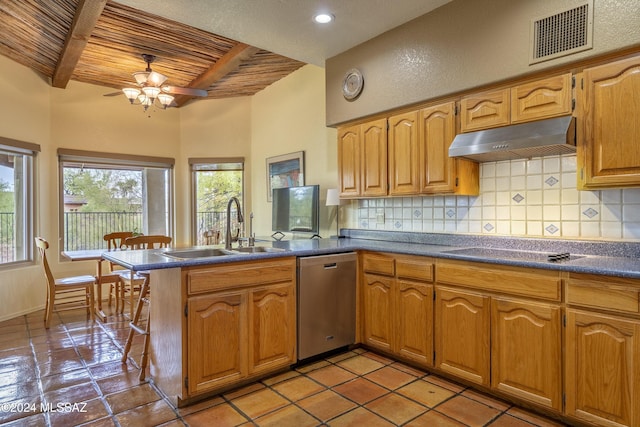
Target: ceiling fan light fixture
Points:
(141, 77)
(165, 100)
(131, 93)
(151, 92)
(156, 79)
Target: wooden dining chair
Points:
(211, 237)
(67, 293)
(115, 241)
(132, 281)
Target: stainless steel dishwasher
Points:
(326, 303)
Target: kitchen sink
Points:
(197, 253)
(257, 249)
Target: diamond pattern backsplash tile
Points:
(532, 197)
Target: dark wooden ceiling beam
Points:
(84, 21)
(226, 64)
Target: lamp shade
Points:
(333, 197)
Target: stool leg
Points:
(145, 351)
(143, 293)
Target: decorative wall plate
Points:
(352, 84)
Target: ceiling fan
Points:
(152, 88)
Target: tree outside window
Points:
(215, 182)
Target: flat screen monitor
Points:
(296, 209)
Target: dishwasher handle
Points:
(330, 266)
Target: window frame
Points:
(31, 151)
(195, 164)
(114, 160)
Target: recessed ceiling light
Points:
(323, 18)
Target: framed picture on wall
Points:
(285, 171)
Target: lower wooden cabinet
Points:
(501, 327)
(526, 350)
(217, 345)
(214, 327)
(236, 334)
(414, 328)
(272, 332)
(398, 306)
(603, 368)
(378, 311)
(462, 334)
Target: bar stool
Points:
(135, 327)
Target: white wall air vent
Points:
(564, 33)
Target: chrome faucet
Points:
(227, 239)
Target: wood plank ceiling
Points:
(101, 42)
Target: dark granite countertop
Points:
(596, 257)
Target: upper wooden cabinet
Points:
(362, 159)
(440, 173)
(550, 97)
(411, 157)
(608, 155)
(540, 99)
(403, 154)
(484, 110)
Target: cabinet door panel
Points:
(378, 311)
(462, 334)
(437, 130)
(603, 369)
(272, 327)
(415, 319)
(485, 110)
(374, 158)
(403, 154)
(550, 97)
(611, 132)
(217, 340)
(349, 161)
(526, 355)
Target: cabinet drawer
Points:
(251, 273)
(415, 269)
(379, 264)
(610, 293)
(529, 282)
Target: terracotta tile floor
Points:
(75, 367)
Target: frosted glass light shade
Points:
(165, 99)
(151, 92)
(131, 93)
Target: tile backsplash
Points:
(529, 197)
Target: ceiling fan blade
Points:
(175, 90)
(113, 93)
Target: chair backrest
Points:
(42, 246)
(148, 242)
(117, 240)
(211, 237)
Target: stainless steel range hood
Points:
(534, 139)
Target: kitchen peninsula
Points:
(221, 321)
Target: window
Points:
(17, 167)
(104, 192)
(214, 183)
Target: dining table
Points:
(101, 278)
